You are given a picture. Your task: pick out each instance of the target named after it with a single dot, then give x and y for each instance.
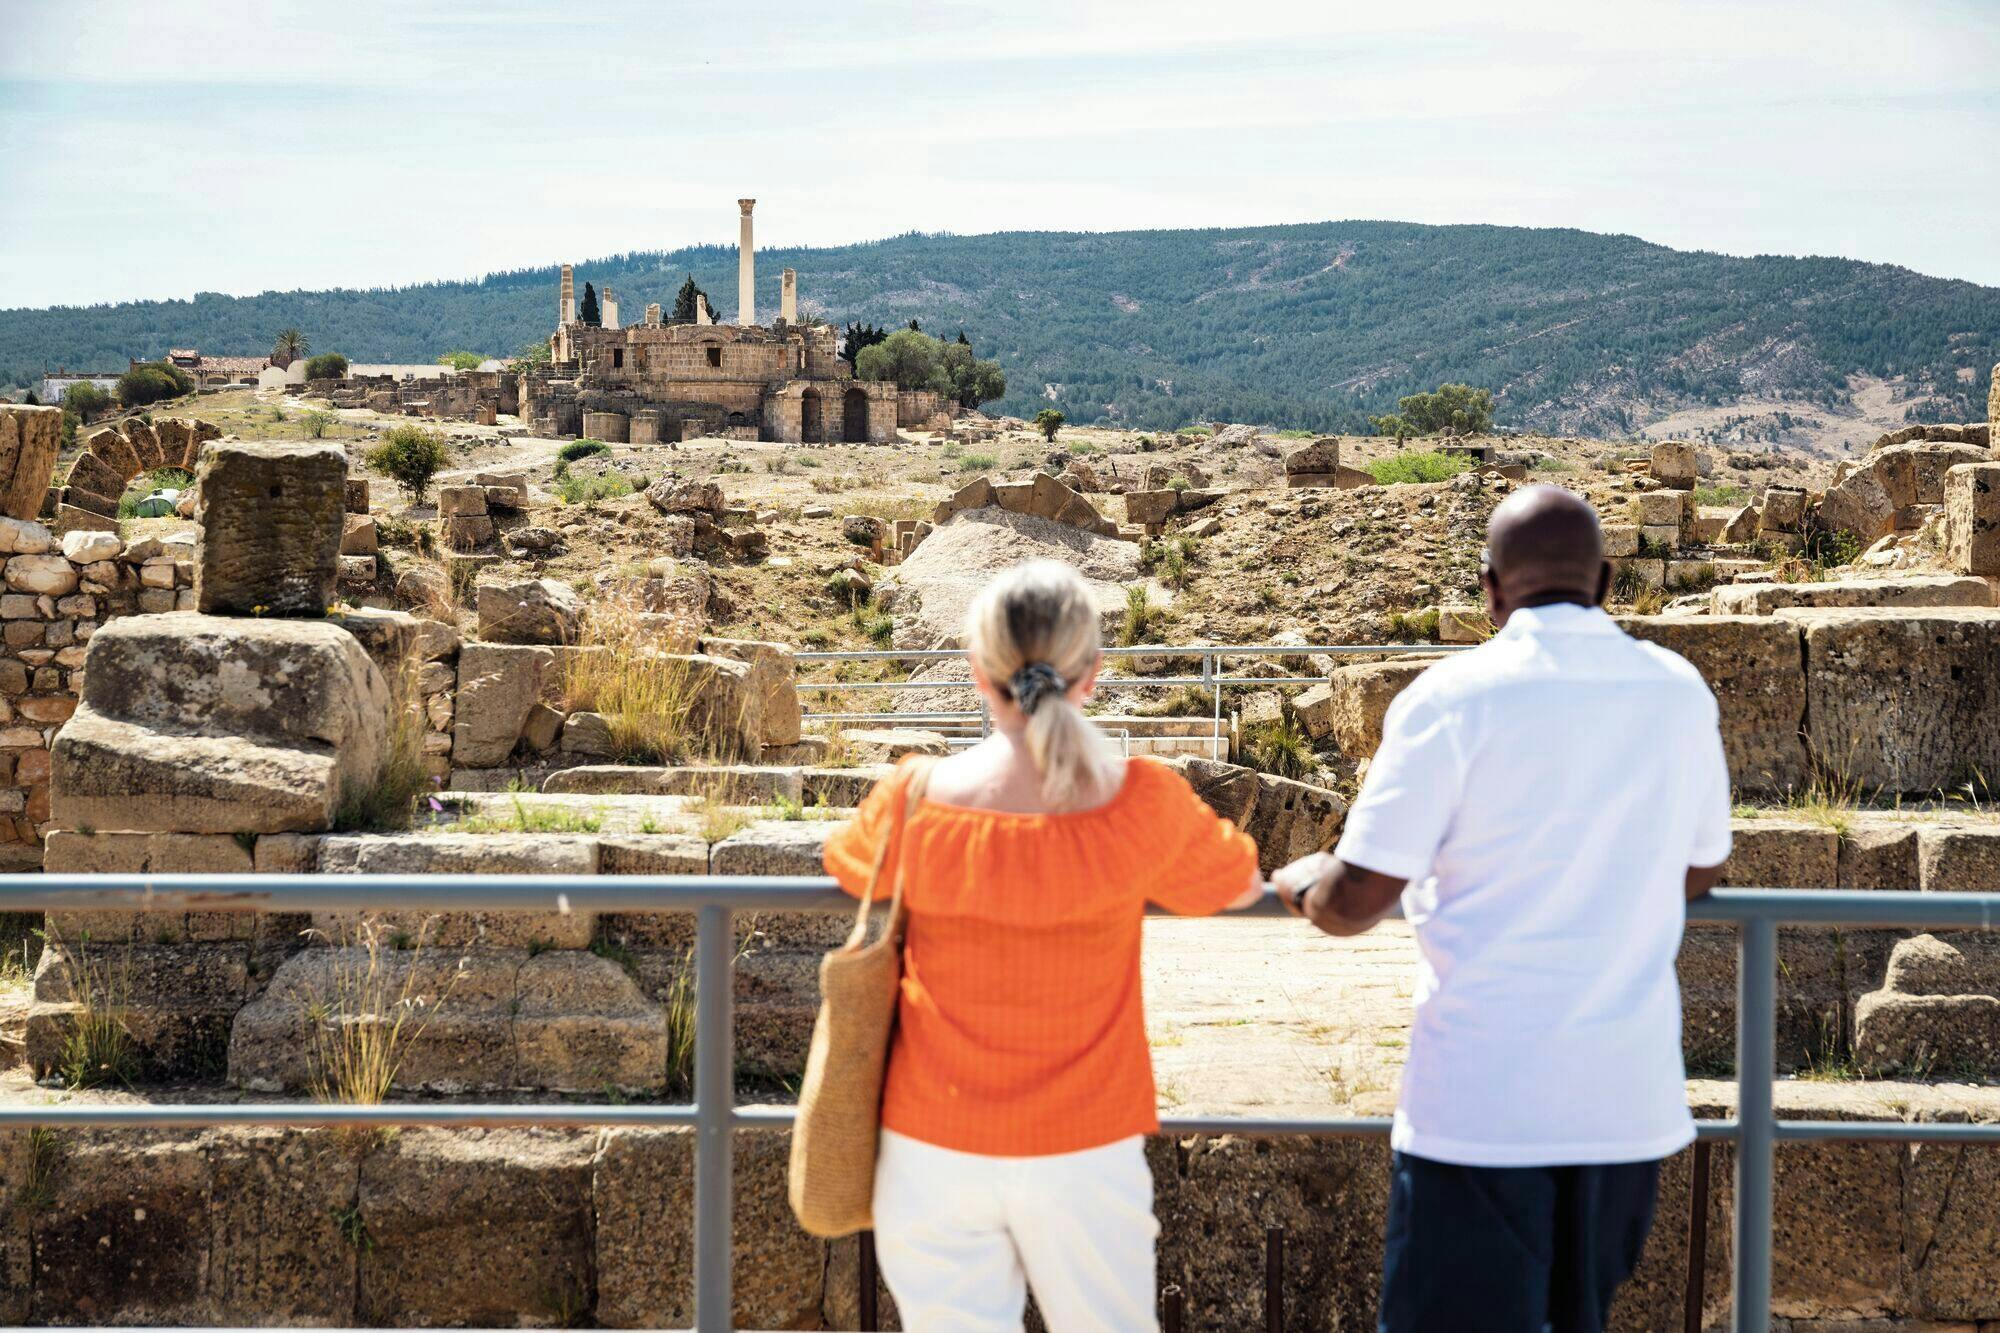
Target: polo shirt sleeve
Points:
(1411, 793)
(1712, 838)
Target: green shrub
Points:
(1413, 626)
(1048, 421)
(1417, 465)
(86, 400)
(978, 463)
(575, 490)
(1722, 494)
(327, 366)
(152, 382)
(576, 449)
(1141, 616)
(1280, 748)
(410, 456)
(317, 422)
(461, 360)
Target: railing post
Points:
(1756, 1066)
(714, 1101)
(1211, 666)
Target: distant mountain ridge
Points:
(1319, 325)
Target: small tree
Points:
(410, 456)
(588, 312)
(86, 400)
(1391, 425)
(288, 347)
(152, 381)
(684, 301)
(327, 366)
(857, 337)
(1458, 407)
(1048, 421)
(531, 355)
(461, 360)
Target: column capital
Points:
(746, 205)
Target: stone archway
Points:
(854, 417)
(812, 418)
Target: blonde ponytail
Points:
(1033, 633)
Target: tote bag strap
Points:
(913, 795)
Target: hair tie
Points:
(1034, 683)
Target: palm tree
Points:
(290, 346)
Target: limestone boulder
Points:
(1754, 666)
(531, 611)
(774, 677)
(1151, 508)
(1676, 464)
(726, 718)
(1914, 474)
(270, 518)
(1900, 699)
(210, 725)
(497, 685)
(670, 495)
(1783, 511)
(1349, 708)
(30, 438)
(1322, 456)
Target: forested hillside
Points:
(1318, 326)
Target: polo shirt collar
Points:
(1560, 618)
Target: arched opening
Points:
(854, 417)
(812, 420)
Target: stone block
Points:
(1321, 456)
(205, 724)
(269, 519)
(1898, 700)
(644, 1201)
(358, 537)
(466, 854)
(1150, 508)
(465, 532)
(497, 685)
(1972, 518)
(531, 611)
(483, 1230)
(774, 679)
(355, 496)
(1783, 511)
(125, 1236)
(1660, 536)
(1761, 599)
(1754, 666)
(1349, 708)
(177, 1000)
(30, 438)
(1676, 464)
(87, 548)
(1661, 509)
(461, 501)
(1621, 540)
(91, 475)
(278, 1254)
(728, 784)
(727, 715)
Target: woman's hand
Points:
(1251, 896)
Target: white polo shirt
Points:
(1545, 794)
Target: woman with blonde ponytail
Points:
(1020, 1085)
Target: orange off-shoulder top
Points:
(1021, 1029)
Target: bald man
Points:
(1544, 805)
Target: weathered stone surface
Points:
(1761, 599)
(497, 685)
(1753, 665)
(1900, 700)
(461, 501)
(731, 784)
(774, 678)
(30, 438)
(203, 724)
(1349, 708)
(727, 715)
(1321, 456)
(886, 745)
(87, 548)
(466, 854)
(177, 1001)
(1972, 518)
(644, 1199)
(531, 611)
(1151, 508)
(1676, 464)
(477, 1229)
(670, 495)
(1621, 540)
(269, 519)
(125, 1235)
(1783, 510)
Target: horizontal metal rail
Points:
(1209, 655)
(715, 1118)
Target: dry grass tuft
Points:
(626, 669)
(363, 1027)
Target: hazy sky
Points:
(152, 150)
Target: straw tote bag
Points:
(832, 1175)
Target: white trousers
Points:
(961, 1237)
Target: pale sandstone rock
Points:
(1924, 590)
(1753, 665)
(1676, 464)
(1972, 518)
(497, 685)
(29, 440)
(87, 548)
(774, 676)
(49, 575)
(531, 611)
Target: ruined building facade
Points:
(658, 380)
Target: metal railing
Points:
(971, 723)
(715, 1116)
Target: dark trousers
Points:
(1510, 1249)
